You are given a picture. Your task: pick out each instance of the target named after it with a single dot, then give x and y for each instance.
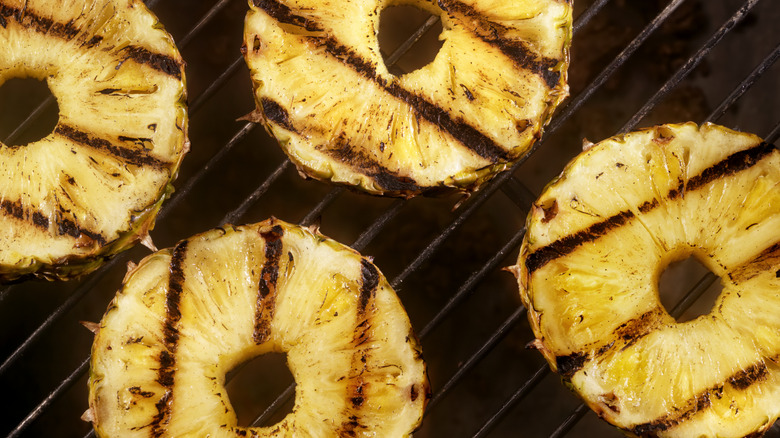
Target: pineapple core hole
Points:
(253, 386)
(688, 289)
(397, 27)
(21, 119)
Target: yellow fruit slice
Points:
(94, 185)
(599, 237)
(186, 316)
(323, 90)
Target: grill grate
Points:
(674, 60)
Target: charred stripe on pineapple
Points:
(68, 31)
(167, 371)
(344, 152)
(269, 276)
(64, 226)
(622, 337)
(467, 135)
(133, 156)
(741, 380)
(369, 281)
(766, 261)
(494, 34)
(732, 164)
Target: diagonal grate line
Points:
(499, 180)
(503, 184)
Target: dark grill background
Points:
(634, 63)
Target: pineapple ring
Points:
(597, 240)
(93, 186)
(186, 316)
(323, 91)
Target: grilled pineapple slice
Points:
(597, 240)
(93, 186)
(188, 315)
(323, 90)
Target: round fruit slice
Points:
(323, 90)
(94, 185)
(599, 237)
(186, 316)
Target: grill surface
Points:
(634, 64)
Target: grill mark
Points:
(167, 372)
(750, 375)
(635, 329)
(63, 226)
(698, 403)
(765, 261)
(568, 244)
(369, 282)
(277, 114)
(382, 176)
(162, 63)
(16, 210)
(344, 152)
(369, 278)
(569, 365)
(494, 34)
(39, 24)
(732, 164)
(740, 380)
(458, 129)
(69, 31)
(269, 276)
(134, 157)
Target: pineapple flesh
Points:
(323, 91)
(186, 316)
(93, 186)
(597, 240)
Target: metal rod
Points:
(233, 216)
(477, 356)
(575, 104)
(518, 395)
(465, 290)
(692, 62)
(204, 20)
(745, 85)
(59, 390)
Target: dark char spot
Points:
(569, 365)
(269, 276)
(276, 113)
(369, 277)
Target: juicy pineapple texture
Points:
(323, 90)
(93, 186)
(188, 315)
(599, 237)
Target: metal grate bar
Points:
(371, 232)
(484, 194)
(745, 85)
(518, 395)
(701, 286)
(234, 215)
(477, 356)
(689, 65)
(513, 188)
(774, 135)
(59, 390)
(577, 102)
(472, 282)
(218, 83)
(88, 286)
